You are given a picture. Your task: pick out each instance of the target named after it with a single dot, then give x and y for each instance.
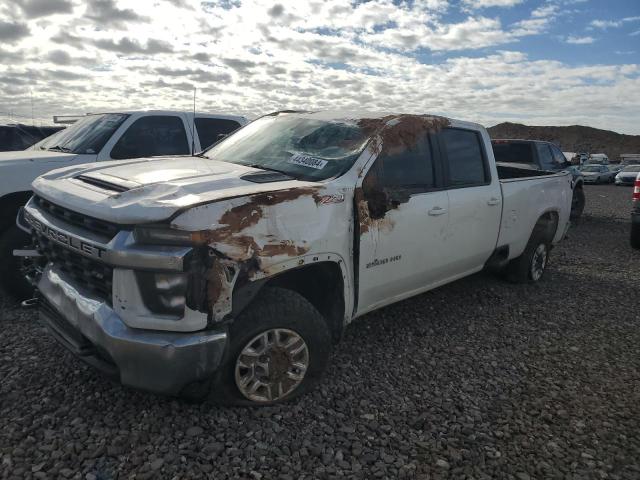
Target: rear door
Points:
(403, 215)
(475, 201)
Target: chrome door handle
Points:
(435, 211)
(493, 201)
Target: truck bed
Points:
(527, 195)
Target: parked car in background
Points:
(17, 136)
(635, 215)
(630, 159)
(95, 137)
(628, 175)
(235, 271)
(539, 155)
(597, 173)
(598, 159)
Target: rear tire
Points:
(635, 235)
(578, 201)
(280, 342)
(531, 265)
(12, 277)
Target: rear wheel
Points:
(14, 269)
(635, 235)
(531, 265)
(577, 203)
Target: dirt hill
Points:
(574, 138)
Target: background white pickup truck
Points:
(96, 137)
(237, 270)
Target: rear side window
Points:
(558, 157)
(464, 157)
(152, 136)
(407, 168)
(512, 152)
(545, 157)
(210, 130)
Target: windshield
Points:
(594, 168)
(46, 142)
(87, 135)
(301, 147)
(632, 168)
(513, 152)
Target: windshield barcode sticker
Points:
(305, 161)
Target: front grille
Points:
(92, 224)
(88, 274)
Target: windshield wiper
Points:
(268, 169)
(59, 148)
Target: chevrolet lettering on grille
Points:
(64, 238)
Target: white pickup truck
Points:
(96, 137)
(235, 271)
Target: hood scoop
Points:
(107, 182)
(266, 177)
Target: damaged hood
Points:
(152, 190)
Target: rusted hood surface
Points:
(150, 190)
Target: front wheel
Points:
(13, 270)
(278, 349)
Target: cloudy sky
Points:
(540, 62)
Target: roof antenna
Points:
(193, 125)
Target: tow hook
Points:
(30, 303)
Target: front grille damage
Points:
(90, 274)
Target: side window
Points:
(210, 130)
(545, 157)
(407, 167)
(464, 156)
(559, 159)
(152, 136)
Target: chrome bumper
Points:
(162, 362)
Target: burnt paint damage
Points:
(391, 134)
(214, 273)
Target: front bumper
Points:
(625, 181)
(157, 361)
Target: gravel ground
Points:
(478, 379)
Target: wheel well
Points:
(322, 285)
(547, 223)
(9, 205)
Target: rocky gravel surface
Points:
(479, 379)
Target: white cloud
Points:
(254, 57)
(490, 3)
(604, 24)
(579, 40)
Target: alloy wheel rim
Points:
(538, 262)
(271, 365)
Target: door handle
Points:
(435, 211)
(493, 201)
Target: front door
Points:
(403, 215)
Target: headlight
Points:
(161, 235)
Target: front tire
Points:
(12, 275)
(278, 349)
